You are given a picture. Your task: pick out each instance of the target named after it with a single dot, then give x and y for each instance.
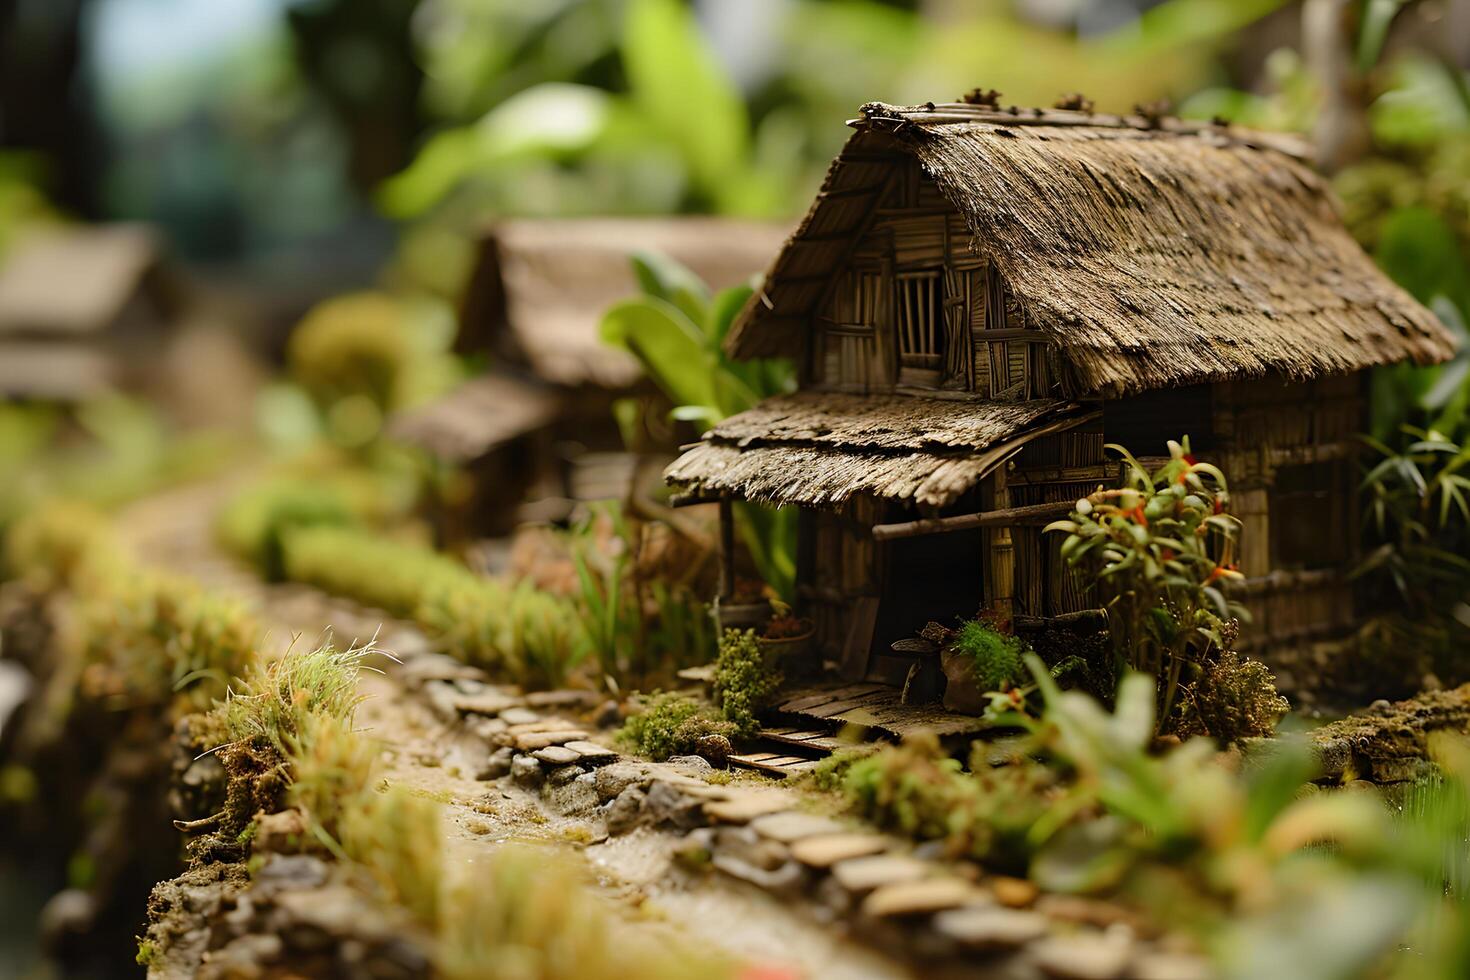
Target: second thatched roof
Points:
(821, 449)
(1152, 255)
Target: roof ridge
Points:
(897, 117)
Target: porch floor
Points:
(805, 725)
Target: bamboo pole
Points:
(727, 548)
(1004, 517)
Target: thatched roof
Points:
(480, 415)
(819, 449)
(1151, 254)
(69, 282)
(540, 287)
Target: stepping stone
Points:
(921, 897)
(561, 699)
(703, 674)
(531, 741)
(556, 755)
(549, 724)
(859, 875)
(986, 927)
(1084, 956)
(1018, 893)
(484, 702)
(591, 753)
(792, 826)
(1169, 966)
(825, 850)
(520, 716)
(745, 807)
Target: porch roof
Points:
(819, 449)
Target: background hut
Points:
(543, 423)
(979, 299)
(83, 310)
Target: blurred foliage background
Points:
(304, 144)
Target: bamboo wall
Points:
(1290, 452)
(914, 307)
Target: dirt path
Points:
(634, 872)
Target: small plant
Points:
(639, 631)
(786, 626)
(676, 329)
(995, 657)
(1158, 551)
(744, 682)
(164, 637)
(275, 699)
(395, 835)
(671, 724)
(1233, 699)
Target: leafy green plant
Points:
(744, 681)
(1418, 506)
(677, 331)
(1157, 551)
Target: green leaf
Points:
(677, 80)
(722, 312)
(671, 348)
(670, 280)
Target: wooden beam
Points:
(1004, 517)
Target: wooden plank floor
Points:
(833, 705)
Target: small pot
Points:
(961, 693)
(790, 653)
(741, 615)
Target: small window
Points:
(920, 334)
(1309, 516)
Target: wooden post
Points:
(1001, 578)
(727, 549)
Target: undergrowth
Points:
(672, 724)
(744, 681)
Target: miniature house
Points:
(540, 420)
(978, 300)
(83, 311)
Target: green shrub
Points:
(55, 543)
(989, 813)
(520, 633)
(671, 724)
(255, 523)
(996, 657)
(391, 575)
(165, 638)
(744, 681)
(1157, 552)
(1233, 699)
